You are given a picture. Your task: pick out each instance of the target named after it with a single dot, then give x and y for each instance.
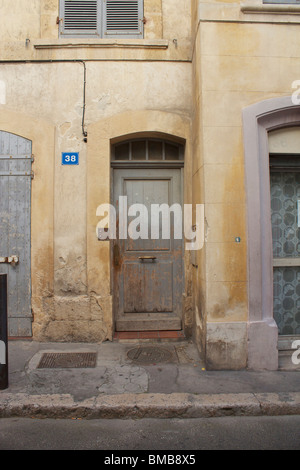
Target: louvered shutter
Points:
(123, 17)
(102, 18)
(80, 17)
(295, 2)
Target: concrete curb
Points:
(137, 406)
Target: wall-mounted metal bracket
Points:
(9, 260)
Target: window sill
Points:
(279, 9)
(76, 43)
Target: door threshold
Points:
(149, 322)
(147, 336)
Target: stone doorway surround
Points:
(258, 120)
(102, 135)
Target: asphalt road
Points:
(226, 433)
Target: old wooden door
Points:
(15, 208)
(148, 272)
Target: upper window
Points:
(282, 1)
(101, 18)
(148, 149)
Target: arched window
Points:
(147, 150)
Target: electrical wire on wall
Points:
(51, 61)
(84, 132)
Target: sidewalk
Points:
(130, 381)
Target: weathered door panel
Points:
(148, 287)
(15, 207)
(148, 278)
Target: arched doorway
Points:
(148, 273)
(258, 121)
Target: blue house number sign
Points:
(70, 158)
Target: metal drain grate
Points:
(149, 355)
(68, 360)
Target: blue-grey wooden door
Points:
(15, 210)
(148, 271)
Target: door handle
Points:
(145, 258)
(10, 259)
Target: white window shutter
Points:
(80, 17)
(123, 18)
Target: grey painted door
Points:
(148, 273)
(15, 208)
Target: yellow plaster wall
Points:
(76, 305)
(99, 173)
(31, 32)
(199, 65)
(238, 59)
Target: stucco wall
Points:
(199, 65)
(240, 57)
(142, 86)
